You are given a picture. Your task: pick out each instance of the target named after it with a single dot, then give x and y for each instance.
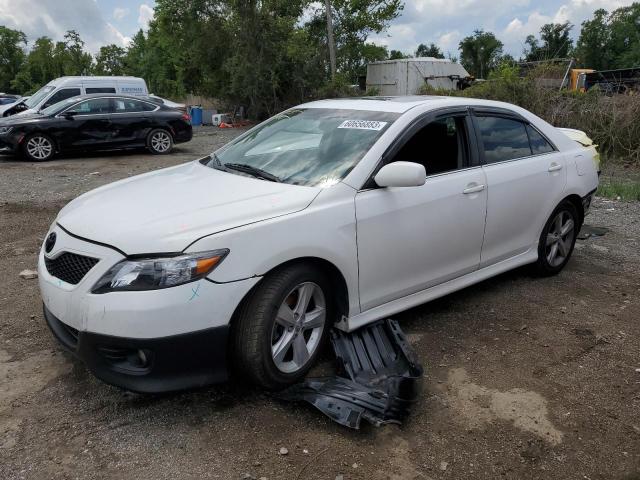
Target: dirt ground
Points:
(524, 377)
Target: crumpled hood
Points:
(166, 210)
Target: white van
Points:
(66, 87)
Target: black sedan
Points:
(95, 122)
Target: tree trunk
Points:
(330, 40)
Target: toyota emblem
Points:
(50, 242)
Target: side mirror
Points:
(401, 174)
(69, 115)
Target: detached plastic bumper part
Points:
(383, 378)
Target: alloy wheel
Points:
(160, 142)
(298, 327)
(560, 238)
(39, 148)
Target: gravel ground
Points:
(525, 377)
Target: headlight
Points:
(5, 130)
(156, 273)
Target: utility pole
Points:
(331, 41)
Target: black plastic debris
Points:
(589, 231)
(378, 381)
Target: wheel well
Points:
(166, 128)
(335, 277)
(577, 202)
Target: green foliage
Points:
(429, 51)
(555, 42)
(610, 41)
(110, 61)
(480, 53)
(620, 190)
(397, 55)
(11, 56)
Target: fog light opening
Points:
(144, 358)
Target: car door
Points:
(413, 238)
(526, 176)
(88, 124)
(131, 121)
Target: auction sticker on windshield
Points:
(363, 124)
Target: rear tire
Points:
(38, 147)
(557, 239)
(281, 327)
(159, 141)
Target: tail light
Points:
(186, 117)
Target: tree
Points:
(76, 60)
(110, 60)
(480, 53)
(624, 42)
(353, 22)
(429, 51)
(397, 54)
(591, 48)
(12, 55)
(611, 41)
(44, 62)
(556, 42)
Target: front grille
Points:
(70, 267)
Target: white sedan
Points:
(333, 213)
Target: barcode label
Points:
(363, 124)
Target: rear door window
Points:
(60, 95)
(503, 139)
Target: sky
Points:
(444, 22)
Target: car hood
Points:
(27, 113)
(19, 118)
(4, 108)
(167, 210)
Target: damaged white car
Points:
(332, 213)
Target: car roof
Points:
(401, 104)
(61, 80)
(110, 95)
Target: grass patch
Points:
(619, 190)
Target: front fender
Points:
(325, 230)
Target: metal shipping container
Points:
(406, 76)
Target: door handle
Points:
(554, 167)
(473, 188)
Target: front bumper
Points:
(148, 365)
(9, 144)
(181, 331)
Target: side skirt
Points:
(424, 296)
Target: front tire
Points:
(282, 325)
(38, 147)
(159, 142)
(558, 239)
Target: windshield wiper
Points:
(256, 172)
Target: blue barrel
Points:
(196, 116)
